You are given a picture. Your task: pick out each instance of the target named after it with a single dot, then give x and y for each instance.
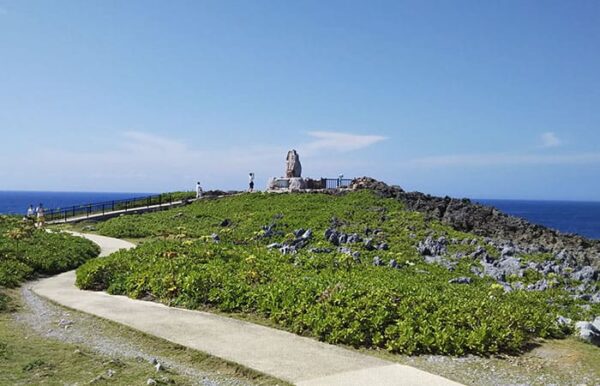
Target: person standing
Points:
(40, 216)
(198, 190)
(251, 182)
(30, 212)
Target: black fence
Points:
(334, 183)
(87, 210)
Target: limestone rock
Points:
(293, 167)
(460, 280)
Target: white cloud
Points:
(549, 139)
(502, 159)
(145, 162)
(342, 142)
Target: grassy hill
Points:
(355, 269)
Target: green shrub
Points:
(26, 252)
(402, 311)
(330, 296)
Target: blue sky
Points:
(477, 98)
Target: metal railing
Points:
(334, 183)
(87, 210)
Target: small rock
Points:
(159, 367)
(377, 261)
(596, 324)
(150, 381)
(507, 251)
(65, 323)
(431, 247)
(307, 235)
(97, 379)
(562, 321)
(225, 223)
(383, 246)
(441, 261)
(274, 245)
(353, 238)
(298, 232)
(110, 373)
(215, 237)
(368, 243)
(507, 288)
(287, 249)
(518, 285)
(585, 274)
(320, 250)
(345, 250)
(461, 280)
(329, 232)
(393, 263)
(476, 271)
(479, 252)
(540, 285)
(153, 361)
(587, 332)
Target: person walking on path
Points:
(198, 190)
(251, 182)
(40, 216)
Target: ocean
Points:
(578, 217)
(14, 202)
(582, 218)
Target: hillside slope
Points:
(357, 269)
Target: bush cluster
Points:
(26, 251)
(329, 295)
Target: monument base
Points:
(294, 184)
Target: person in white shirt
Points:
(30, 212)
(251, 182)
(40, 216)
(198, 190)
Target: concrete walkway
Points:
(283, 355)
(97, 216)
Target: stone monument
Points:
(293, 165)
(293, 180)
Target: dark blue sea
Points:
(578, 217)
(14, 202)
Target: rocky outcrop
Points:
(464, 215)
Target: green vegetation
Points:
(330, 295)
(26, 252)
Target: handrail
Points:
(334, 183)
(86, 210)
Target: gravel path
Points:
(53, 321)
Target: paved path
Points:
(118, 212)
(283, 355)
